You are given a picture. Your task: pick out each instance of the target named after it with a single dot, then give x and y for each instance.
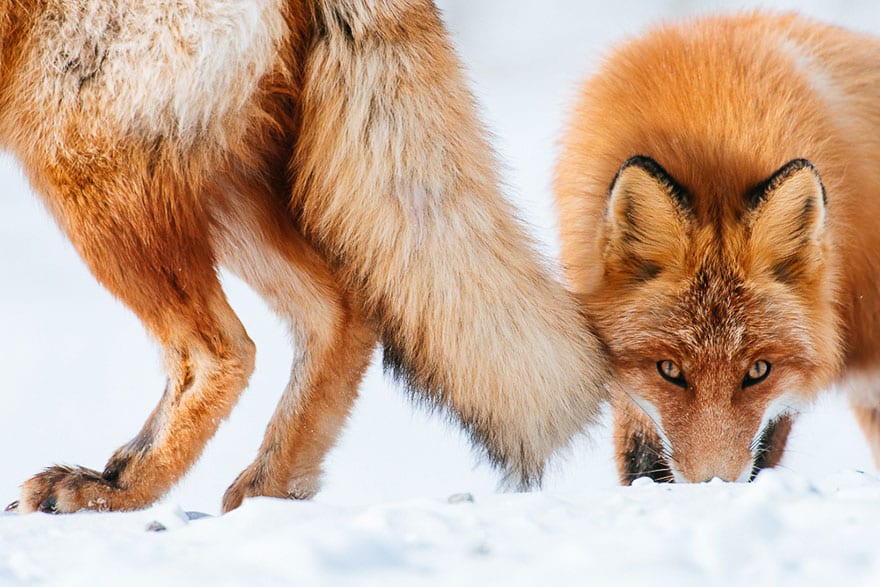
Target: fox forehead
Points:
(708, 316)
(710, 312)
(714, 311)
(726, 282)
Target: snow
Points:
(779, 530)
(80, 376)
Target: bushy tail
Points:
(397, 182)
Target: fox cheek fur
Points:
(329, 153)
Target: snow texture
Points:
(80, 376)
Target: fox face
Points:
(715, 317)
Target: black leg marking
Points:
(644, 458)
(771, 445)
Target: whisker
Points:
(657, 470)
(666, 450)
(785, 468)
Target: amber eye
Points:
(671, 373)
(757, 373)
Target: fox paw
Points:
(247, 484)
(63, 490)
(252, 484)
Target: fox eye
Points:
(671, 373)
(757, 373)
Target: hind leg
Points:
(145, 241)
(333, 345)
(868, 418)
(861, 391)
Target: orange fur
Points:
(692, 254)
(328, 152)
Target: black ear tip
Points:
(806, 163)
(796, 165)
(759, 193)
(660, 175)
(646, 163)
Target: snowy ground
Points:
(778, 531)
(80, 376)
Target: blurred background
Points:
(80, 375)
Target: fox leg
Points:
(333, 345)
(868, 418)
(861, 393)
(638, 447)
(145, 242)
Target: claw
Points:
(49, 506)
(12, 507)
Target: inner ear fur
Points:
(647, 219)
(787, 222)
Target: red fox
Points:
(329, 153)
(717, 194)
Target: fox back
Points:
(716, 193)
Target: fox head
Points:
(720, 323)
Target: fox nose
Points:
(706, 477)
(709, 471)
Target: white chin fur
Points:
(743, 477)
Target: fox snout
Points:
(709, 443)
(696, 449)
(723, 463)
(729, 462)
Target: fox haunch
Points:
(328, 152)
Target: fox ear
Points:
(647, 219)
(787, 222)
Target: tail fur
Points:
(396, 181)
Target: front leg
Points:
(146, 241)
(638, 447)
(204, 383)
